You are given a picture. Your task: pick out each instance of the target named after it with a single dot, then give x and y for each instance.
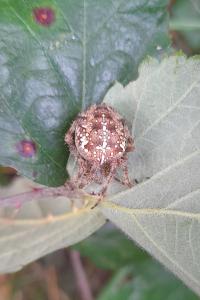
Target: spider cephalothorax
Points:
(100, 140)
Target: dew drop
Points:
(26, 148)
(158, 48)
(57, 44)
(45, 16)
(92, 62)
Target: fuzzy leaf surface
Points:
(162, 212)
(41, 227)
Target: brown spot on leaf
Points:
(45, 16)
(26, 148)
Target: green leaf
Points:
(186, 19)
(110, 249)
(162, 213)
(48, 73)
(41, 227)
(150, 281)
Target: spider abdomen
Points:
(100, 136)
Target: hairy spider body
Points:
(100, 140)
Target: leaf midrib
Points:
(157, 175)
(151, 211)
(45, 238)
(156, 212)
(45, 220)
(169, 110)
(161, 250)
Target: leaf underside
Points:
(162, 212)
(41, 227)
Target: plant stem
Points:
(82, 281)
(185, 25)
(67, 190)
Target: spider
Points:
(100, 141)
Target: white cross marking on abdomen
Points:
(104, 145)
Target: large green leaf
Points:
(162, 214)
(56, 64)
(39, 228)
(150, 281)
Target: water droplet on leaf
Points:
(158, 48)
(92, 62)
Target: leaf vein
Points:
(161, 250)
(170, 109)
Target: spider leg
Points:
(109, 178)
(89, 174)
(130, 142)
(84, 174)
(126, 181)
(69, 139)
(81, 169)
(97, 177)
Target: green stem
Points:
(184, 25)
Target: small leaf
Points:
(58, 57)
(39, 228)
(162, 213)
(150, 281)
